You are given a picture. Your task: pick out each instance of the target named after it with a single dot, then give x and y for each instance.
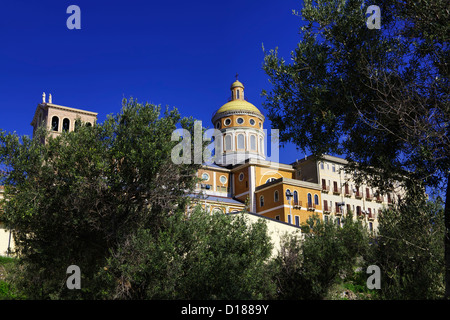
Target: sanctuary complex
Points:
(244, 178)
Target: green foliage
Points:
(410, 251)
(75, 198)
(7, 289)
(378, 96)
(348, 87)
(307, 269)
(196, 257)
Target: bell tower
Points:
(58, 119)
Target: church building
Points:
(242, 176)
(245, 178)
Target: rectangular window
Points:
(228, 142)
(289, 219)
(253, 142)
(240, 141)
(297, 221)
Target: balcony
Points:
(325, 188)
(311, 206)
(371, 216)
(348, 193)
(359, 212)
(336, 190)
(358, 194)
(297, 204)
(369, 197)
(379, 198)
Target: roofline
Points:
(56, 106)
(208, 167)
(287, 181)
(263, 163)
(322, 157)
(267, 218)
(217, 116)
(216, 199)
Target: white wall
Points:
(4, 240)
(276, 230)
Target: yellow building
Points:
(242, 178)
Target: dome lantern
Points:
(237, 90)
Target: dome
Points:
(237, 83)
(238, 105)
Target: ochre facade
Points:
(254, 183)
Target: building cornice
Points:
(325, 157)
(213, 168)
(46, 106)
(233, 112)
(290, 182)
(263, 163)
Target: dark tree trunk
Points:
(447, 239)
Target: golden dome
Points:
(238, 105)
(237, 83)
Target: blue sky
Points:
(183, 54)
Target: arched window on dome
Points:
(241, 141)
(237, 92)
